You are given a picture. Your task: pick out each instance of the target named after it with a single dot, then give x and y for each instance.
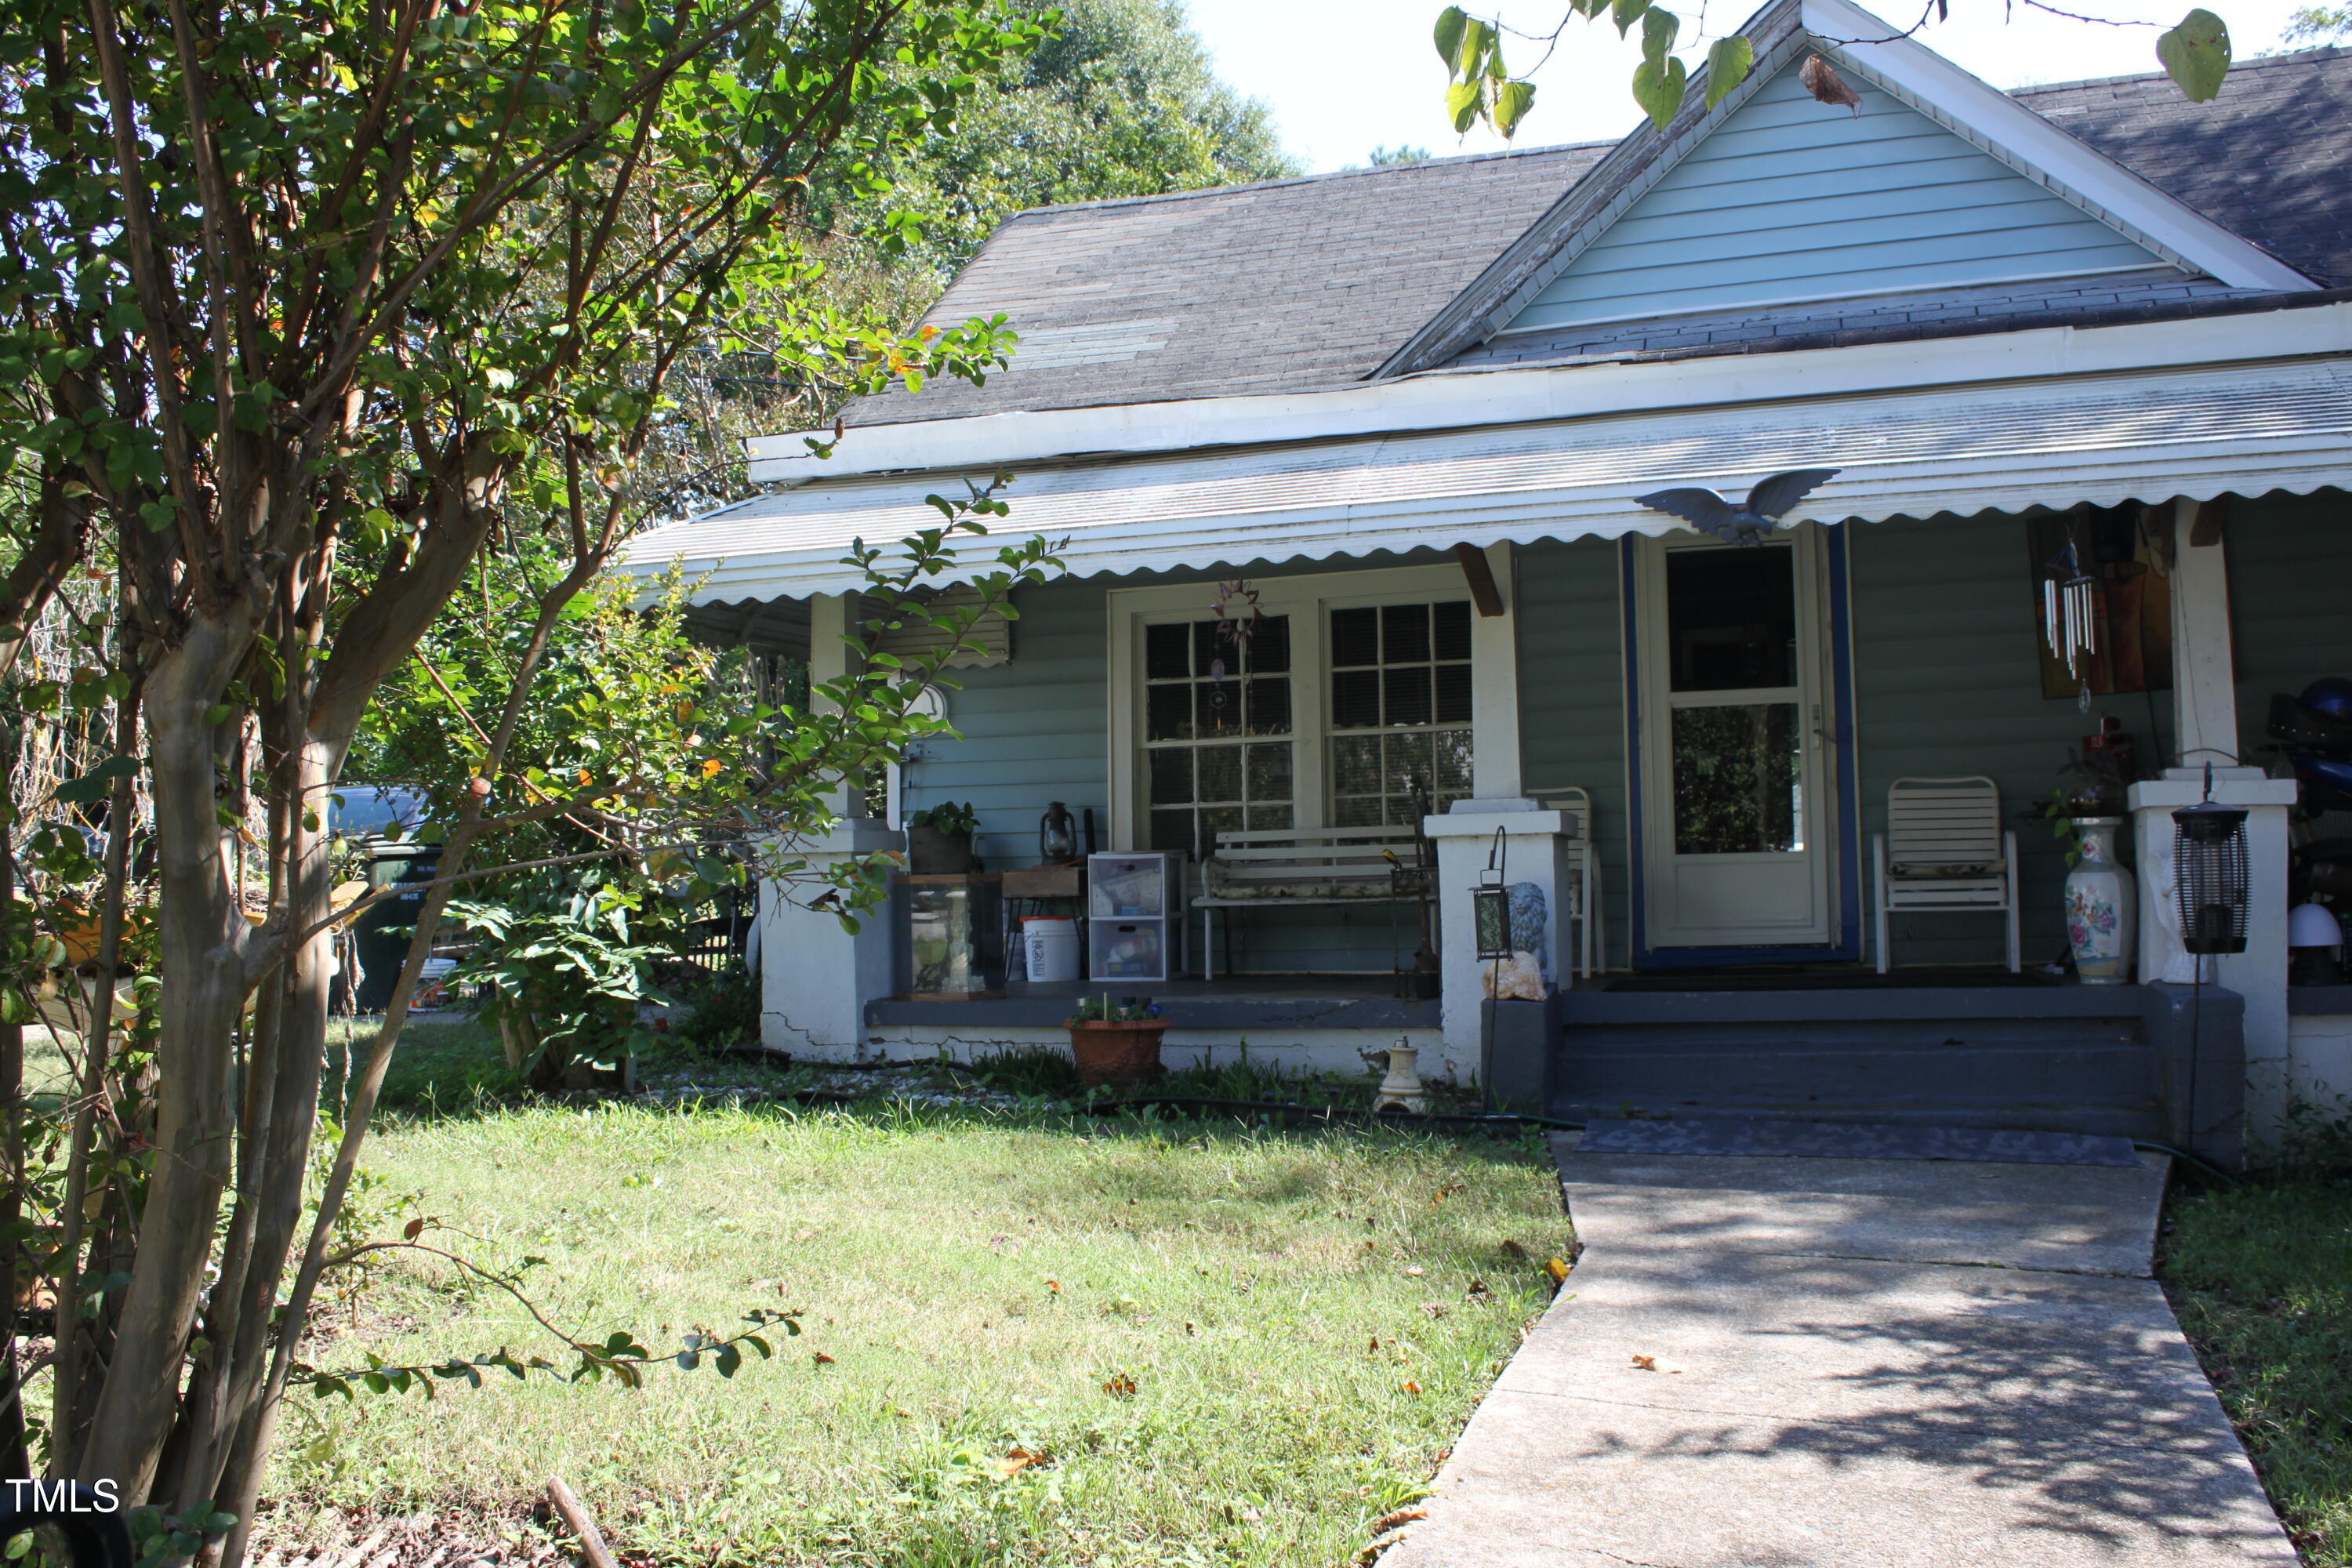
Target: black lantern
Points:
(2209, 858)
(1490, 908)
(1490, 916)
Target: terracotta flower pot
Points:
(1116, 1056)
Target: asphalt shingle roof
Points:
(1276, 287)
(1294, 285)
(2270, 159)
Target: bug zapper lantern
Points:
(2211, 877)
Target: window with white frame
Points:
(1346, 701)
(1399, 726)
(1217, 709)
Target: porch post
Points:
(2205, 711)
(814, 977)
(2204, 668)
(1520, 995)
(1495, 690)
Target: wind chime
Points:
(2070, 616)
(1238, 614)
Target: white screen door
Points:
(1736, 803)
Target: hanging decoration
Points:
(2103, 603)
(1751, 519)
(2070, 611)
(1238, 614)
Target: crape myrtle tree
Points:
(304, 306)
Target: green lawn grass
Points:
(1306, 1319)
(2262, 1279)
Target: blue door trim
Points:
(1848, 836)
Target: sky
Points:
(1343, 77)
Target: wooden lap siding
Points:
(2290, 602)
(1948, 682)
(1572, 699)
(1033, 728)
(1791, 199)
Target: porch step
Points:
(2055, 1059)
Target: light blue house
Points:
(1410, 410)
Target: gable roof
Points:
(1790, 200)
(1315, 283)
(1275, 287)
(1872, 52)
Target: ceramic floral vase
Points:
(2102, 905)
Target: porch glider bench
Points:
(1280, 867)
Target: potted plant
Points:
(938, 839)
(1115, 1043)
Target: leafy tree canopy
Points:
(1120, 100)
(2319, 25)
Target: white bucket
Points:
(1050, 943)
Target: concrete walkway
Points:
(1852, 1363)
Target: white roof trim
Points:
(2102, 439)
(1440, 400)
(2030, 144)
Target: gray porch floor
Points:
(1854, 1363)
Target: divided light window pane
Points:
(1400, 711)
(1212, 693)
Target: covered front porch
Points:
(1472, 650)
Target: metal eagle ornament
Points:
(1752, 519)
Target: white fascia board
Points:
(1911, 71)
(1442, 400)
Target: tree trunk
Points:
(282, 1111)
(13, 1462)
(202, 936)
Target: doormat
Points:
(1848, 1141)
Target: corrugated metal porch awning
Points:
(2001, 447)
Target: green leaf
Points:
(1658, 88)
(1477, 40)
(1660, 27)
(1625, 13)
(1450, 23)
(2196, 54)
(98, 783)
(728, 1360)
(217, 714)
(1728, 65)
(1462, 104)
(1512, 101)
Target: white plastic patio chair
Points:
(1945, 850)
